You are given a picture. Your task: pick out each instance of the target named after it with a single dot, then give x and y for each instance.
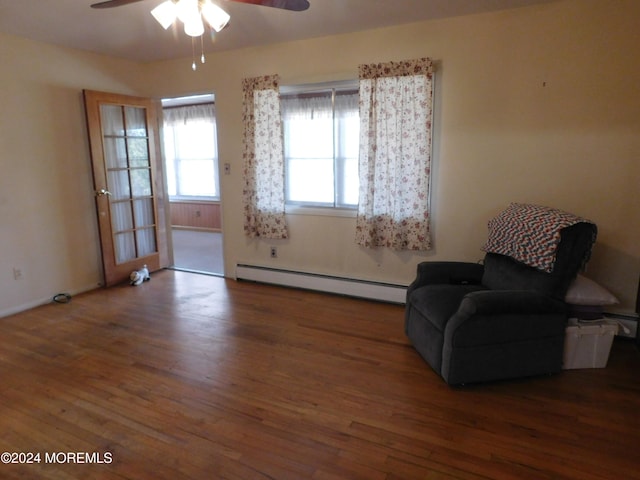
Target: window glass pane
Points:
(309, 138)
(349, 137)
(118, 184)
(350, 184)
(197, 178)
(321, 133)
(125, 247)
(121, 216)
(310, 180)
(194, 140)
(146, 241)
(190, 151)
(136, 121)
(115, 152)
(143, 212)
(141, 182)
(112, 123)
(138, 152)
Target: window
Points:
(321, 136)
(191, 152)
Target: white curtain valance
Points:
(317, 106)
(182, 115)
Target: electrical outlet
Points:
(17, 273)
(274, 252)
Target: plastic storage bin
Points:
(587, 344)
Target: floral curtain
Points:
(263, 156)
(396, 105)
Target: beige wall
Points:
(535, 105)
(48, 229)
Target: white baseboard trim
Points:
(42, 301)
(383, 292)
(25, 306)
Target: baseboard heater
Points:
(383, 292)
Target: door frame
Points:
(188, 100)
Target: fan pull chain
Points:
(193, 54)
(201, 49)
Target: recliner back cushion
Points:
(504, 273)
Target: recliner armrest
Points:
(448, 273)
(503, 316)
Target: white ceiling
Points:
(131, 32)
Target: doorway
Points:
(197, 251)
(191, 165)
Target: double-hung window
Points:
(321, 137)
(191, 152)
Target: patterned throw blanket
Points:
(529, 234)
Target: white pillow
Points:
(584, 291)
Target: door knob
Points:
(102, 192)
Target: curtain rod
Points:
(170, 107)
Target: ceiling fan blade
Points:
(113, 3)
(294, 5)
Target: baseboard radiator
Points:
(383, 292)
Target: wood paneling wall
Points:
(200, 215)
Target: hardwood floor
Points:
(197, 377)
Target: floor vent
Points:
(383, 292)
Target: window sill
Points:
(321, 212)
(194, 199)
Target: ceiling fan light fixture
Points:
(214, 15)
(186, 10)
(165, 13)
(193, 13)
(194, 26)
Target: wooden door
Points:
(124, 142)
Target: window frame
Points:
(191, 100)
(313, 208)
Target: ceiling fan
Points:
(294, 5)
(194, 13)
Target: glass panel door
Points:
(129, 180)
(130, 197)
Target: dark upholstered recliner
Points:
(501, 319)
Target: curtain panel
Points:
(396, 108)
(263, 157)
(175, 116)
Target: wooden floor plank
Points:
(197, 377)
